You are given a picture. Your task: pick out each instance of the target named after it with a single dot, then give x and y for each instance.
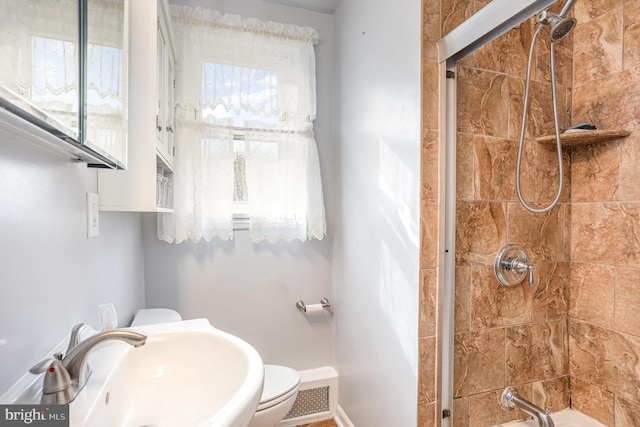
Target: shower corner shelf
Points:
(585, 137)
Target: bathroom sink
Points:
(187, 374)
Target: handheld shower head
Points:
(559, 25)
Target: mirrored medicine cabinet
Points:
(63, 75)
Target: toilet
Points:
(281, 383)
(278, 395)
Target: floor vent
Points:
(311, 401)
(317, 398)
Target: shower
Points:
(559, 27)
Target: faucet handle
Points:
(522, 267)
(56, 378)
(44, 364)
(74, 340)
(511, 266)
(57, 386)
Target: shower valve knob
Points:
(520, 267)
(511, 266)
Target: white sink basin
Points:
(187, 374)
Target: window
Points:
(245, 92)
(223, 86)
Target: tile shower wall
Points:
(502, 336)
(604, 333)
(428, 216)
(509, 336)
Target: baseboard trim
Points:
(341, 418)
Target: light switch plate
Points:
(92, 215)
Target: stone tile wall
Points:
(503, 336)
(577, 334)
(604, 332)
(429, 217)
(510, 336)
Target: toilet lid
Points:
(279, 382)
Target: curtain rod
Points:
(241, 129)
(244, 25)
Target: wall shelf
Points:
(583, 137)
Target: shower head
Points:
(560, 27)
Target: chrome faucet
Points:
(66, 376)
(512, 399)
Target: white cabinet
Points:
(146, 185)
(63, 76)
(166, 84)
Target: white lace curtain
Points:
(253, 81)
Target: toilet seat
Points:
(280, 383)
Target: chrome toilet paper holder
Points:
(324, 302)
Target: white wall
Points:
(247, 289)
(376, 243)
(51, 275)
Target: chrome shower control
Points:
(511, 266)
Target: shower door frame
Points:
(493, 20)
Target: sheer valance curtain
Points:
(253, 82)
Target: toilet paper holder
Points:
(324, 302)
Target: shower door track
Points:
(493, 20)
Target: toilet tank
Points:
(151, 316)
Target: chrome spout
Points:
(512, 399)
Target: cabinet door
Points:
(161, 87)
(105, 130)
(40, 63)
(169, 108)
(146, 185)
(62, 70)
(165, 94)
